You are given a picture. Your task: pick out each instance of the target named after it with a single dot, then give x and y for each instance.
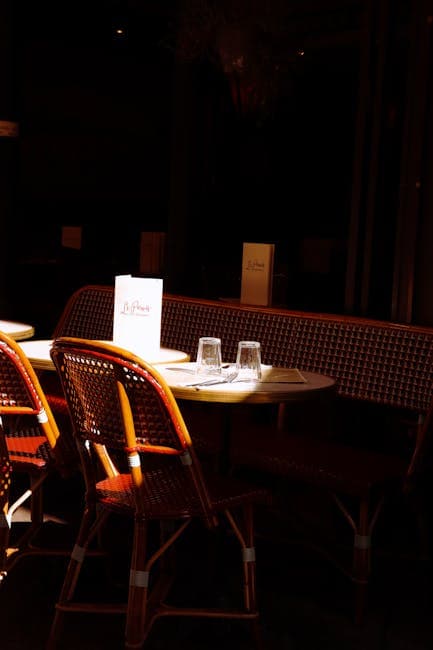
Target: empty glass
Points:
(209, 355)
(248, 360)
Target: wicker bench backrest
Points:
(88, 314)
(375, 361)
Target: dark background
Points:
(324, 155)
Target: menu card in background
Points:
(137, 315)
(257, 273)
(152, 247)
(72, 237)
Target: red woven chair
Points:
(124, 414)
(31, 448)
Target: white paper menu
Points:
(137, 315)
(257, 273)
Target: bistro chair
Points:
(31, 451)
(139, 461)
(359, 481)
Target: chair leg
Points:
(138, 588)
(88, 529)
(362, 561)
(249, 560)
(5, 481)
(147, 603)
(419, 504)
(4, 543)
(249, 569)
(36, 503)
(251, 578)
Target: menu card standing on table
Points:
(257, 274)
(137, 315)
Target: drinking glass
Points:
(209, 355)
(248, 360)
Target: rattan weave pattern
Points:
(184, 322)
(90, 381)
(14, 392)
(169, 494)
(20, 404)
(88, 314)
(343, 470)
(384, 363)
(376, 361)
(5, 478)
(27, 446)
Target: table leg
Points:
(224, 464)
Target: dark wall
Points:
(125, 133)
(94, 110)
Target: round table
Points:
(253, 392)
(16, 330)
(38, 353)
(313, 386)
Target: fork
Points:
(190, 371)
(215, 380)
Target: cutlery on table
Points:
(214, 380)
(190, 371)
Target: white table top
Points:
(17, 330)
(38, 352)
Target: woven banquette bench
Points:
(373, 361)
(384, 390)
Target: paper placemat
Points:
(282, 376)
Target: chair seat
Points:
(176, 500)
(338, 467)
(29, 448)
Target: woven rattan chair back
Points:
(122, 404)
(31, 445)
(127, 422)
